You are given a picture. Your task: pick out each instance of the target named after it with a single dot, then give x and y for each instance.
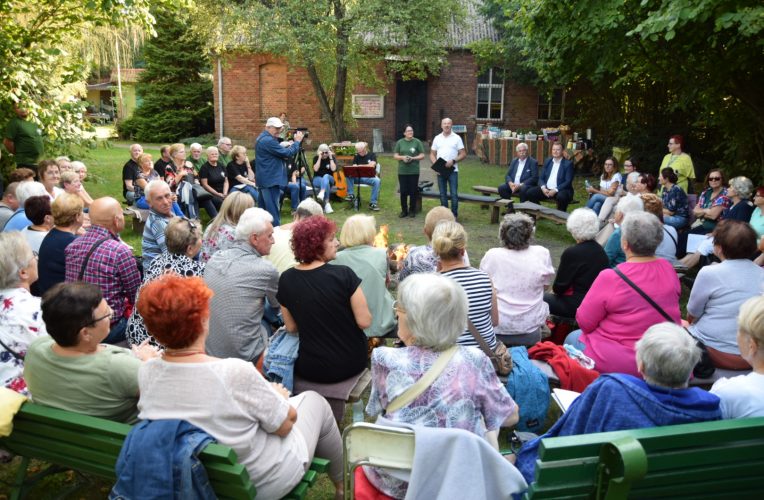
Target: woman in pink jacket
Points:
(613, 315)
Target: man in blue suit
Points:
(523, 173)
(556, 180)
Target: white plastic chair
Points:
(376, 445)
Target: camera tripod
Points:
(301, 163)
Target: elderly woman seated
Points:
(183, 239)
(72, 184)
(668, 246)
(666, 356)
(614, 314)
(274, 436)
(20, 318)
(720, 290)
(67, 221)
(579, 265)
(370, 264)
(743, 396)
(421, 258)
(72, 369)
(626, 205)
(325, 304)
(520, 272)
(432, 314)
(221, 232)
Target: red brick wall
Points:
(256, 86)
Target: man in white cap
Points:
(270, 159)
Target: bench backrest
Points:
(722, 458)
(92, 445)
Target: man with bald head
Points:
(130, 173)
(101, 258)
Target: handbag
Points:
(410, 394)
(500, 357)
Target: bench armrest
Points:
(622, 461)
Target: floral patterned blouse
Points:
(467, 395)
(20, 323)
(675, 200)
(216, 241)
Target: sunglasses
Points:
(191, 224)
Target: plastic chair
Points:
(376, 445)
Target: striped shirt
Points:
(111, 267)
(479, 291)
(153, 237)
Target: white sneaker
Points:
(321, 194)
(328, 208)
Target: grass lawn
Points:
(105, 170)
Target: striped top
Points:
(479, 290)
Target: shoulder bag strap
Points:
(11, 351)
(480, 340)
(669, 235)
(644, 295)
(87, 257)
(423, 383)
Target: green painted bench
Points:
(721, 459)
(91, 445)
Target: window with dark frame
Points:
(552, 105)
(490, 95)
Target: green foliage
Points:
(341, 43)
(641, 70)
(175, 87)
(39, 70)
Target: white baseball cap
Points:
(274, 122)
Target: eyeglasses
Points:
(35, 254)
(97, 320)
(191, 224)
(397, 309)
(714, 178)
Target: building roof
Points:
(129, 75)
(474, 27)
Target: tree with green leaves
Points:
(41, 66)
(642, 69)
(175, 88)
(341, 43)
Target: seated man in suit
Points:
(556, 180)
(523, 174)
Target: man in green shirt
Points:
(224, 146)
(196, 156)
(23, 139)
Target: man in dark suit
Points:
(523, 173)
(556, 180)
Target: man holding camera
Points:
(271, 166)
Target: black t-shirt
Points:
(324, 168)
(580, 265)
(129, 173)
(365, 159)
(332, 347)
(161, 166)
(215, 176)
(232, 170)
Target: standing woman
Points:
(609, 183)
(712, 202)
(675, 210)
(680, 162)
(408, 152)
(213, 179)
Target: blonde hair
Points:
(174, 148)
(69, 176)
(358, 230)
(237, 150)
(435, 216)
(142, 157)
(449, 239)
(653, 204)
(751, 319)
(230, 211)
(65, 208)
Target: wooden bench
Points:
(721, 459)
(534, 209)
(138, 217)
(91, 445)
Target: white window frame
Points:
(490, 86)
(549, 108)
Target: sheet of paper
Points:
(564, 398)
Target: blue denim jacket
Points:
(159, 459)
(279, 360)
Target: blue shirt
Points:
(270, 157)
(52, 266)
(17, 222)
(153, 237)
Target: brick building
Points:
(256, 86)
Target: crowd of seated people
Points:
(84, 329)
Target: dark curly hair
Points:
(308, 237)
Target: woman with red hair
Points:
(228, 398)
(680, 162)
(325, 304)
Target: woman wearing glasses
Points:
(72, 369)
(20, 319)
(680, 162)
(712, 202)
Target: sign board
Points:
(459, 129)
(368, 106)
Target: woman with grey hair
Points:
(613, 249)
(520, 272)
(579, 265)
(665, 356)
(20, 317)
(614, 314)
(432, 313)
(183, 238)
(739, 191)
